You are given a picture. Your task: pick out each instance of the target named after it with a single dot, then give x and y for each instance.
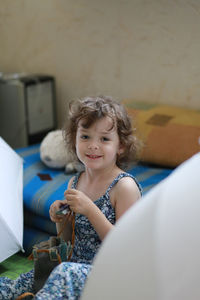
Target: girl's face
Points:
(97, 147)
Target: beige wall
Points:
(141, 49)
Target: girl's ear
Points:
(121, 149)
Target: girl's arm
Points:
(126, 194)
(99, 221)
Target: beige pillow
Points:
(171, 134)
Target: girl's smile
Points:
(93, 156)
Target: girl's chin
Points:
(93, 165)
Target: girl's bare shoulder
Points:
(127, 184)
(126, 190)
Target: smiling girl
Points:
(100, 134)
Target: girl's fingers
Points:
(70, 192)
(55, 206)
(55, 218)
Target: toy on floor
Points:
(54, 153)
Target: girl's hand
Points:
(78, 201)
(55, 206)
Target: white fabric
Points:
(153, 253)
(11, 202)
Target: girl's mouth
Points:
(93, 156)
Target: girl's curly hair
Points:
(91, 109)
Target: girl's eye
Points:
(84, 137)
(105, 139)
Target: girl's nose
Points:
(93, 145)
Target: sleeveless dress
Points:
(67, 280)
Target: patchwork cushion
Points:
(171, 134)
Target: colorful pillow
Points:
(171, 134)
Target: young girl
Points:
(99, 132)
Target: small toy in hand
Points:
(64, 209)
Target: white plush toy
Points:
(54, 154)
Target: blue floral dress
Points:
(68, 279)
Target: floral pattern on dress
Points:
(65, 282)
